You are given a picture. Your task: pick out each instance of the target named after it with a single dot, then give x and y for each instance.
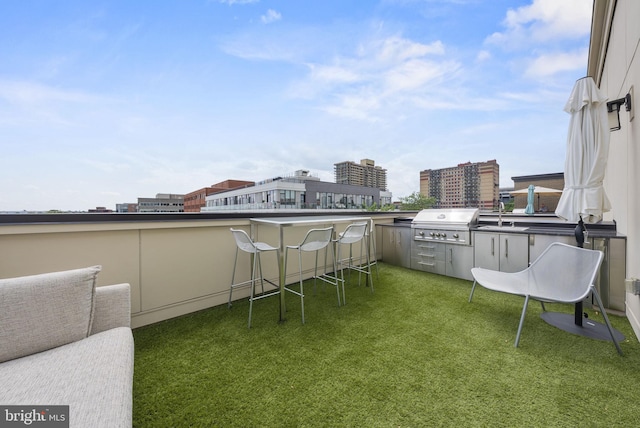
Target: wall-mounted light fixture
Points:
(613, 108)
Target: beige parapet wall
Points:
(174, 267)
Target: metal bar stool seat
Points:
(314, 241)
(245, 243)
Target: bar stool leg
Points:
(301, 286)
(372, 243)
(256, 258)
(233, 278)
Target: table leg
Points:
(283, 276)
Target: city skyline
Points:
(105, 102)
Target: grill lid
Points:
(446, 217)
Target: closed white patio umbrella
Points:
(583, 197)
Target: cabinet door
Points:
(459, 261)
(514, 252)
(389, 246)
(403, 246)
(396, 245)
(487, 250)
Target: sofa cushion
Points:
(41, 312)
(94, 377)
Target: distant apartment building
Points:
(298, 191)
(162, 203)
(366, 174)
(196, 200)
(127, 208)
(100, 210)
(473, 185)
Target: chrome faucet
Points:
(500, 210)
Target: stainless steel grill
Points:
(449, 225)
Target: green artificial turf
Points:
(413, 354)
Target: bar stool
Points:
(353, 234)
(246, 244)
(315, 240)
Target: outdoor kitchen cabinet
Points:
(505, 252)
(459, 261)
(396, 245)
(444, 259)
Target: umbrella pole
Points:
(579, 234)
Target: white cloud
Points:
(359, 106)
(31, 102)
(380, 74)
(271, 16)
(31, 93)
(396, 49)
(483, 55)
(232, 2)
(333, 73)
(544, 21)
(549, 64)
(416, 74)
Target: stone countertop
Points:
(538, 224)
(543, 224)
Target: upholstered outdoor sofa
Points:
(66, 342)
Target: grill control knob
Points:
(432, 234)
(455, 235)
(421, 233)
(444, 235)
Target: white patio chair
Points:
(562, 273)
(315, 240)
(246, 244)
(354, 233)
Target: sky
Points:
(103, 102)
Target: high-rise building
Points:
(366, 174)
(473, 185)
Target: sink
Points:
(503, 228)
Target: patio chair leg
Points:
(524, 312)
(472, 289)
(606, 319)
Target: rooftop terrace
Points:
(414, 353)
